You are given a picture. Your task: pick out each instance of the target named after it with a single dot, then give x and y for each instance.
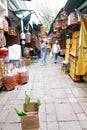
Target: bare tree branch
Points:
(46, 12)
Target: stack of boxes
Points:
(65, 66)
(71, 55)
(68, 44)
(74, 55)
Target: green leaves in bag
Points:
(27, 101)
(37, 104)
(20, 112)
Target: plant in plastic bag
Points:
(27, 101)
(37, 104)
(20, 112)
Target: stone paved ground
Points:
(64, 102)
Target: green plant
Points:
(37, 104)
(20, 112)
(27, 101)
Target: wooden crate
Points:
(67, 55)
(2, 71)
(27, 61)
(75, 45)
(74, 77)
(68, 41)
(72, 73)
(68, 45)
(73, 58)
(72, 67)
(75, 34)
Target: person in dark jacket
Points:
(38, 51)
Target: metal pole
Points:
(22, 28)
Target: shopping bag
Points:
(51, 54)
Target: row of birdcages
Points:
(64, 20)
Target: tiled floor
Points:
(64, 102)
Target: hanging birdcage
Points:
(58, 23)
(12, 31)
(64, 24)
(73, 18)
(28, 37)
(33, 37)
(54, 28)
(63, 15)
(58, 34)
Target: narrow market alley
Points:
(64, 102)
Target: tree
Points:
(47, 10)
(46, 13)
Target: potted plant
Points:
(29, 114)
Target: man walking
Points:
(56, 50)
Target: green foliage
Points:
(20, 112)
(37, 104)
(47, 16)
(27, 101)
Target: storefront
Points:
(70, 28)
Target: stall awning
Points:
(71, 5)
(24, 14)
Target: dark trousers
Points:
(55, 56)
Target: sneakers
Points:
(43, 64)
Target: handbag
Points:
(51, 54)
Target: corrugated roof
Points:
(71, 5)
(17, 4)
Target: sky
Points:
(37, 4)
(58, 4)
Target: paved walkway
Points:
(64, 102)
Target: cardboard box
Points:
(30, 122)
(27, 61)
(31, 107)
(32, 129)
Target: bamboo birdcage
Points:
(63, 15)
(73, 18)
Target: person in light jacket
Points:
(56, 50)
(43, 53)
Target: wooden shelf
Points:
(73, 54)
